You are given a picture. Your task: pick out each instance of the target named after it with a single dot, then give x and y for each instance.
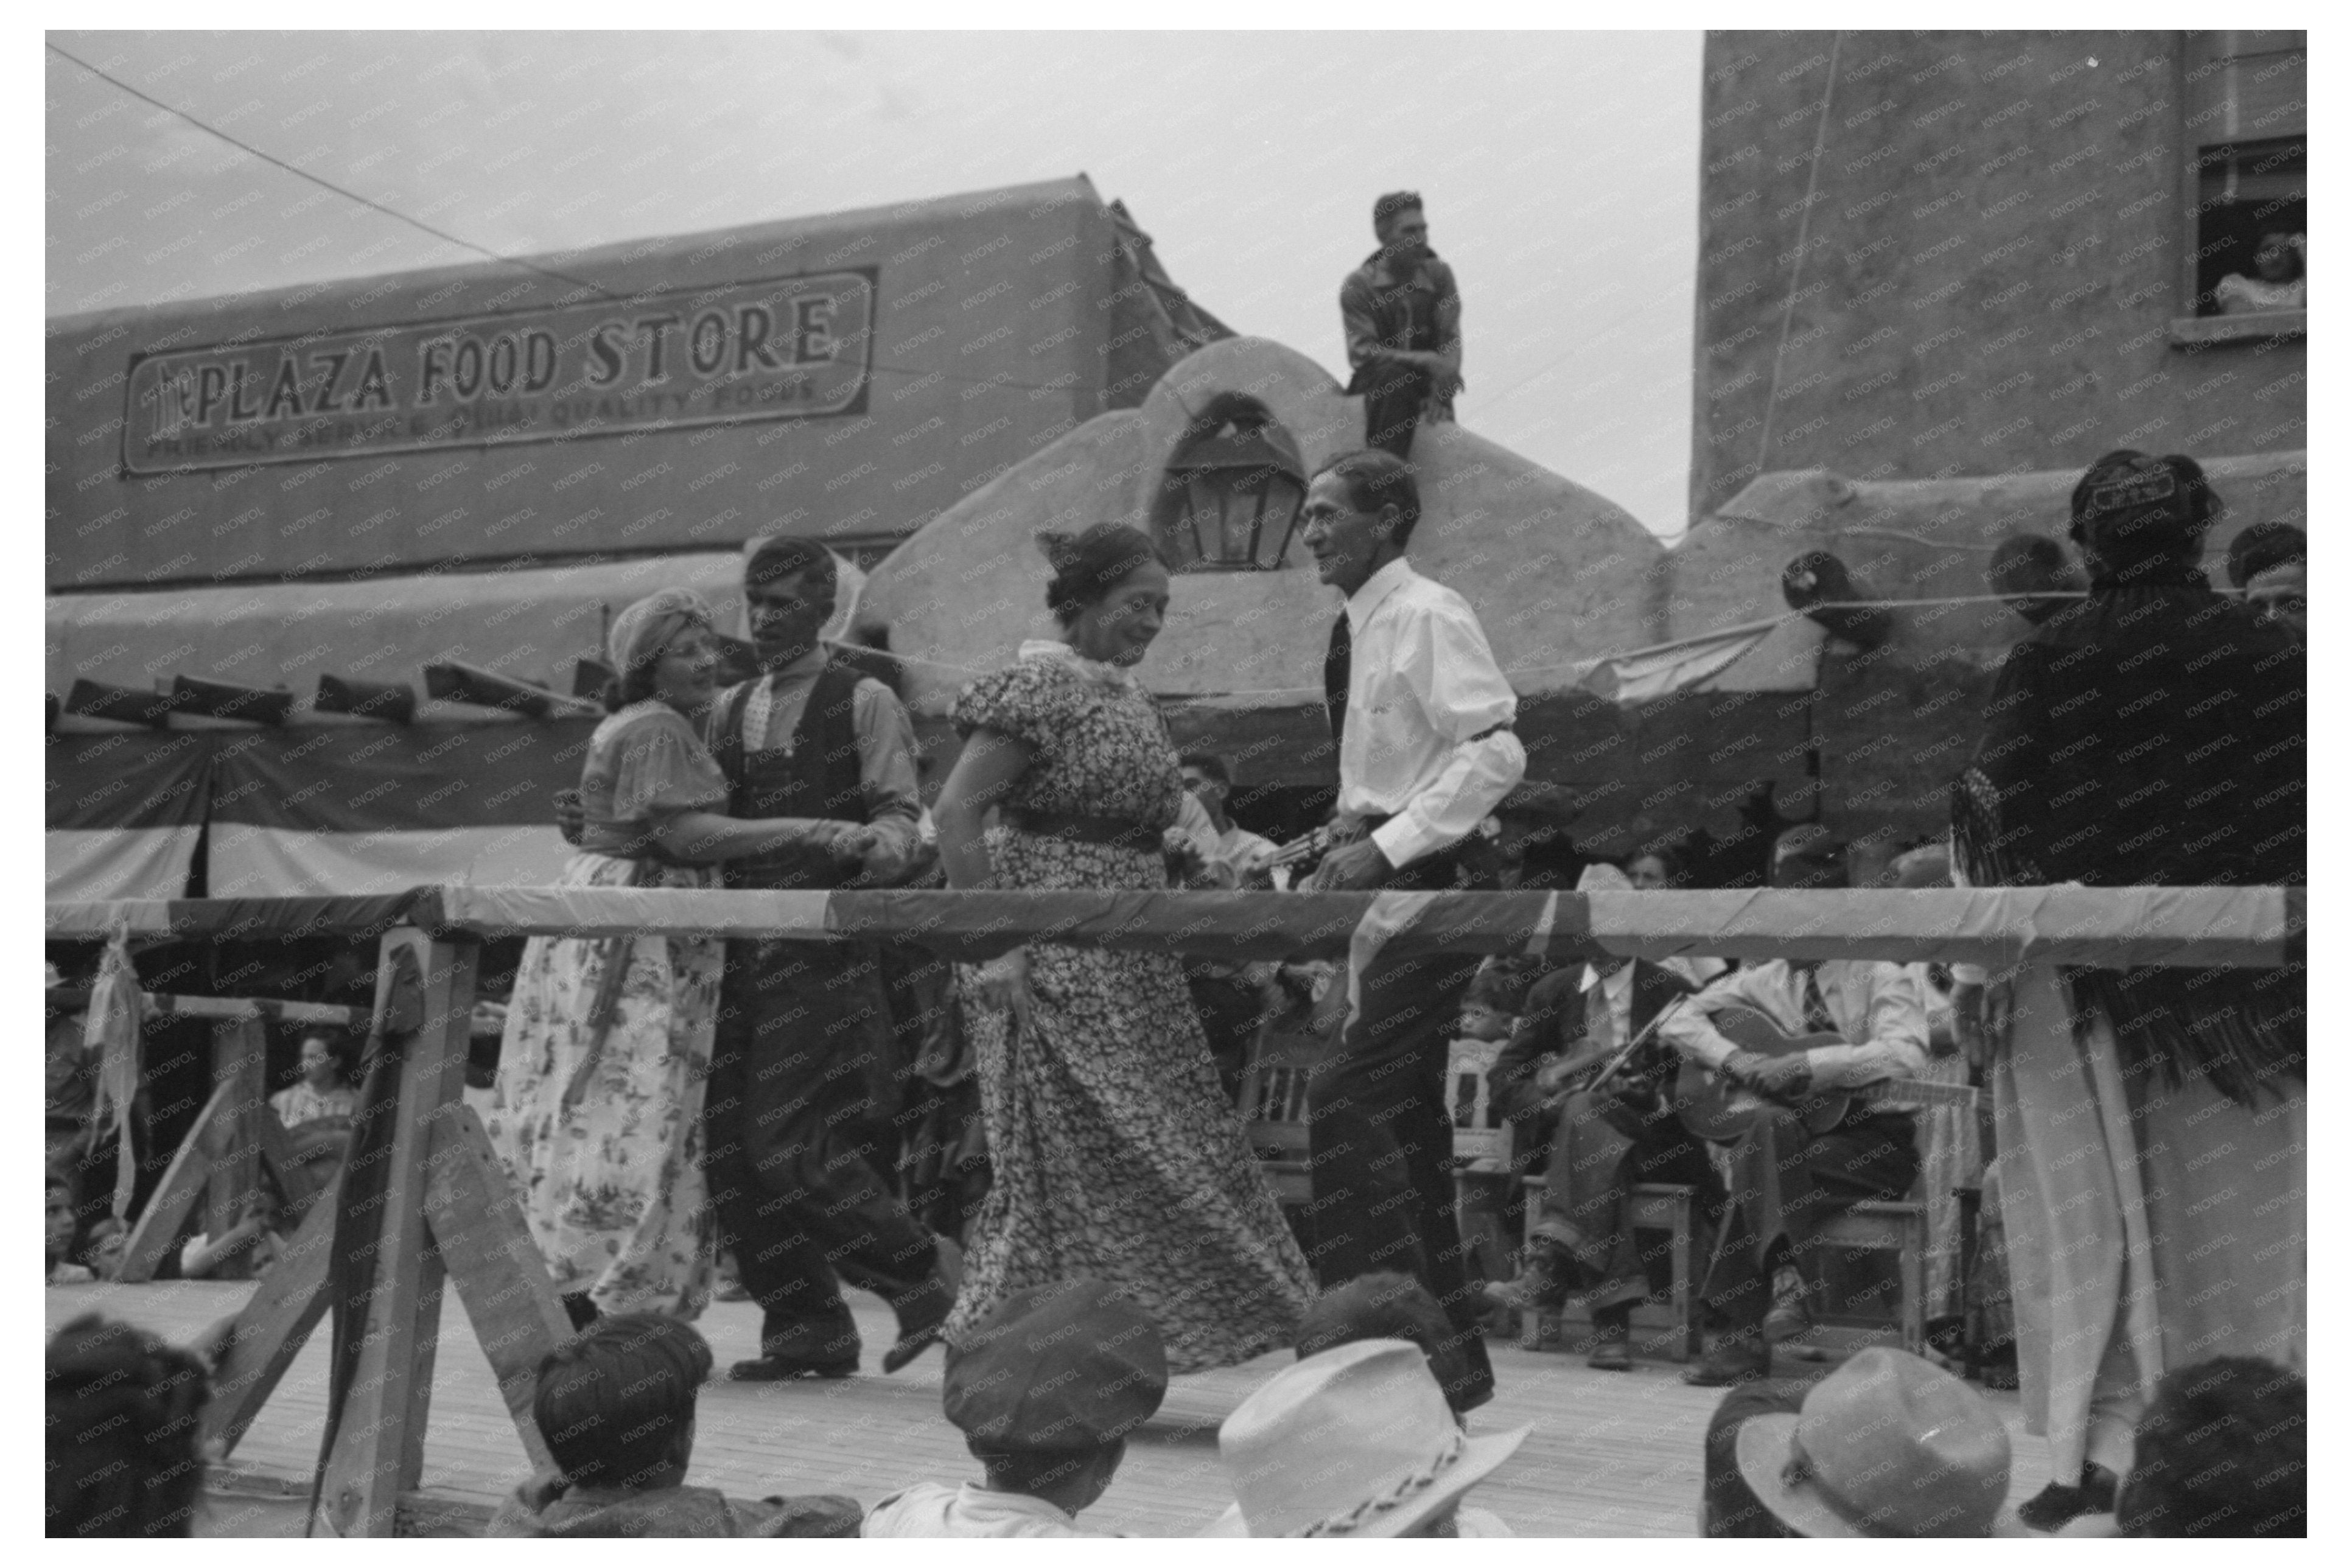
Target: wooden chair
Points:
(1482, 1155)
(1274, 1110)
(1672, 1328)
(1900, 1229)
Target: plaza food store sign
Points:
(787, 347)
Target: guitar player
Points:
(1600, 1140)
(1786, 1179)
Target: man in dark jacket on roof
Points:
(1402, 317)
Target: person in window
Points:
(326, 1088)
(2277, 282)
(1402, 317)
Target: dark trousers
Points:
(792, 1152)
(1393, 399)
(1380, 1146)
(1593, 1165)
(1228, 1008)
(1786, 1184)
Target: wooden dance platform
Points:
(1612, 1454)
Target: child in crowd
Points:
(1888, 1445)
(58, 1236)
(1356, 1443)
(2221, 1452)
(123, 1421)
(1387, 1307)
(616, 1406)
(1046, 1389)
(252, 1241)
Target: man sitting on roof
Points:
(1402, 317)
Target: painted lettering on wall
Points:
(785, 348)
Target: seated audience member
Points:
(1601, 1140)
(1653, 869)
(58, 1236)
(246, 1251)
(1728, 1510)
(2267, 561)
(123, 1457)
(1046, 1391)
(1387, 1307)
(2219, 1452)
(326, 1087)
(101, 1252)
(1885, 1446)
(1788, 1180)
(1487, 1013)
(1355, 1443)
(616, 1406)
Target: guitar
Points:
(1719, 1110)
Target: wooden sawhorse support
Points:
(448, 1213)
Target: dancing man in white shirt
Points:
(1423, 719)
(1788, 1181)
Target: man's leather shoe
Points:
(2057, 1504)
(1613, 1344)
(1542, 1285)
(1738, 1358)
(788, 1368)
(1790, 1317)
(920, 1311)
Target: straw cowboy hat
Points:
(1355, 1442)
(1885, 1446)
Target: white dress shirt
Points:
(1876, 1006)
(928, 1508)
(1421, 682)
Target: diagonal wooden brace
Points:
(265, 1338)
(475, 1221)
(182, 1186)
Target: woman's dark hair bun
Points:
(1088, 565)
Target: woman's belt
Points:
(1084, 829)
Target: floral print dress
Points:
(1116, 1151)
(601, 1129)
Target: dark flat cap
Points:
(1064, 1366)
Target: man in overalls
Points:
(803, 1070)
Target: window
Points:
(2243, 118)
(1230, 498)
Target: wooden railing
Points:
(447, 1213)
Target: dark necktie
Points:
(1817, 1010)
(1335, 677)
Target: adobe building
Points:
(1213, 465)
(1939, 273)
(347, 483)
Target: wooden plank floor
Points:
(1610, 1455)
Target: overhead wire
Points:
(599, 290)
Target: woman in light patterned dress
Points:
(598, 1113)
(1116, 1153)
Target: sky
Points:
(1560, 173)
